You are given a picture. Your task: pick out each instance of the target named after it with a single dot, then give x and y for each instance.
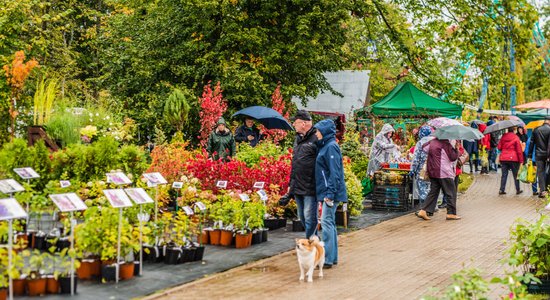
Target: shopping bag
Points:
(367, 186)
(531, 172)
(522, 175)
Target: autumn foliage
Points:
(278, 104)
(212, 108)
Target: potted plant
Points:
(63, 271)
(5, 272)
(36, 281)
(529, 250)
(88, 244)
(256, 221)
(241, 213)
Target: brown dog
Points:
(311, 253)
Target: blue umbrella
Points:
(269, 117)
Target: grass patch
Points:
(465, 182)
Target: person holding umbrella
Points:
(248, 132)
(511, 157)
(541, 137)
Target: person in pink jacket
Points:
(511, 157)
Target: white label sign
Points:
(117, 198)
(11, 209)
(244, 197)
(26, 173)
(222, 184)
(155, 178)
(177, 185)
(139, 195)
(188, 211)
(64, 183)
(200, 205)
(263, 195)
(345, 207)
(10, 186)
(259, 184)
(118, 178)
(68, 202)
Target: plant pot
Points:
(63, 243)
(136, 268)
(89, 268)
(257, 237)
(264, 235)
(39, 242)
(65, 284)
(539, 288)
(297, 226)
(108, 272)
(3, 293)
(36, 287)
(215, 236)
(19, 286)
(199, 253)
(282, 223)
(226, 238)
(153, 255)
(204, 238)
(241, 240)
(126, 271)
(52, 285)
(340, 218)
(172, 256)
(272, 224)
(187, 255)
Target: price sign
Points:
(188, 211)
(200, 205)
(177, 185)
(244, 197)
(64, 183)
(222, 184)
(259, 184)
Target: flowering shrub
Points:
(170, 160)
(212, 108)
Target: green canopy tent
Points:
(534, 115)
(407, 101)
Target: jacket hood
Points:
(327, 128)
(386, 128)
(221, 120)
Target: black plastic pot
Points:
(62, 244)
(199, 253)
(108, 273)
(187, 255)
(172, 256)
(282, 223)
(257, 237)
(297, 226)
(264, 235)
(272, 224)
(65, 284)
(136, 268)
(39, 242)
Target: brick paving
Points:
(397, 259)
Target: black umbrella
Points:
(503, 125)
(269, 117)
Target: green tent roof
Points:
(534, 115)
(406, 100)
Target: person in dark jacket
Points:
(511, 157)
(248, 133)
(493, 151)
(522, 135)
(221, 143)
(331, 186)
(541, 137)
(302, 174)
(472, 148)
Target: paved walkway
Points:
(397, 259)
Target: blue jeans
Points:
(307, 212)
(493, 159)
(330, 235)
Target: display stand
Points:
(202, 209)
(118, 199)
(139, 196)
(10, 209)
(153, 180)
(70, 203)
(27, 174)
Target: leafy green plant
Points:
(530, 247)
(467, 285)
(176, 108)
(354, 190)
(63, 126)
(5, 270)
(252, 155)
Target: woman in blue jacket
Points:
(330, 186)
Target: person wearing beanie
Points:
(221, 143)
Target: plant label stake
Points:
(177, 185)
(259, 185)
(202, 209)
(188, 211)
(64, 183)
(69, 203)
(9, 210)
(27, 173)
(140, 197)
(153, 180)
(221, 184)
(118, 199)
(244, 197)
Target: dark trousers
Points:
(541, 175)
(506, 167)
(475, 161)
(493, 159)
(447, 185)
(457, 181)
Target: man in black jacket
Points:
(248, 133)
(302, 175)
(541, 138)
